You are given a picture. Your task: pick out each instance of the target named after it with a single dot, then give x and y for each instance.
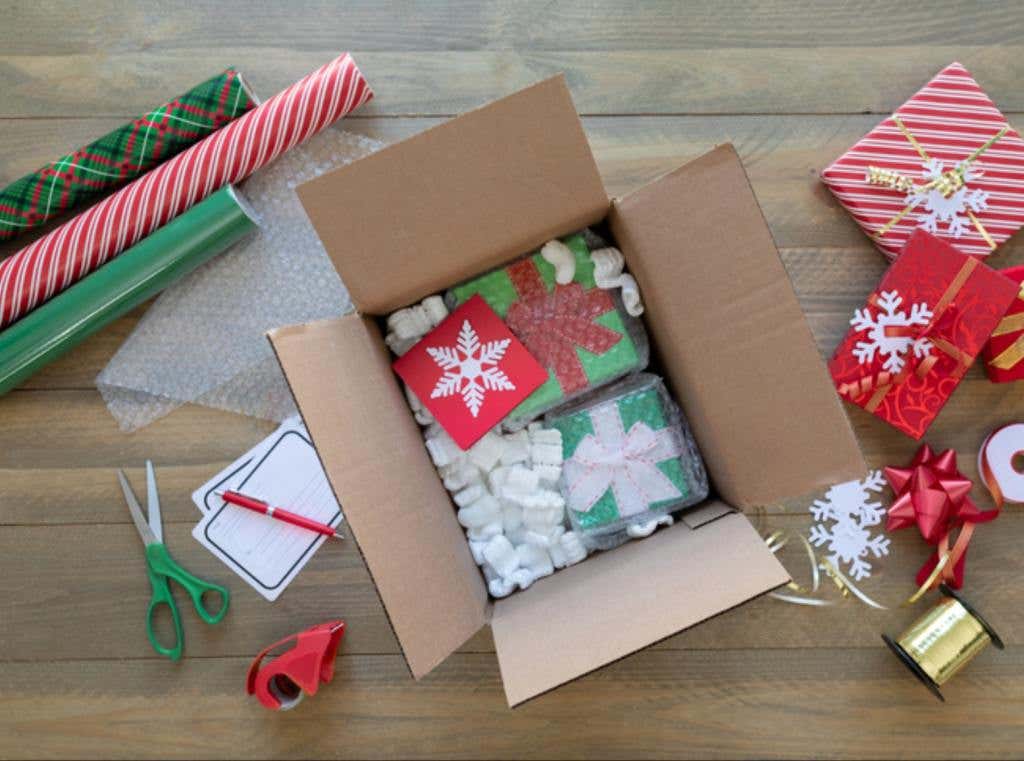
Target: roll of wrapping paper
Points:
(123, 154)
(55, 261)
(151, 265)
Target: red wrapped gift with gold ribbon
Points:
(919, 332)
(1004, 352)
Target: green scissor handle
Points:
(162, 567)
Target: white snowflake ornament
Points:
(844, 517)
(471, 368)
(884, 336)
(947, 198)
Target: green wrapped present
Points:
(576, 330)
(629, 458)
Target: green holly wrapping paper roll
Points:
(122, 155)
(120, 285)
(581, 333)
(629, 460)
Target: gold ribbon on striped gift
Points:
(1013, 353)
(950, 181)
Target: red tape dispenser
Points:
(281, 684)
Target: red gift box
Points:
(470, 371)
(946, 161)
(1004, 352)
(919, 333)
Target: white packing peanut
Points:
(517, 448)
(501, 556)
(487, 451)
(484, 533)
(435, 309)
(511, 517)
(641, 530)
(459, 475)
(469, 495)
(519, 484)
(573, 547)
(548, 474)
(496, 479)
(399, 346)
(442, 449)
(560, 256)
(499, 587)
(536, 559)
(476, 549)
(631, 296)
(555, 550)
(608, 266)
(480, 513)
(524, 577)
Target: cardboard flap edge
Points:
(342, 411)
(657, 587)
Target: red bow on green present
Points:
(551, 324)
(934, 495)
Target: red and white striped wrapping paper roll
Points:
(950, 118)
(76, 248)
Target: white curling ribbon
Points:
(626, 463)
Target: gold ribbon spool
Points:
(943, 641)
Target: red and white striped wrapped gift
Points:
(76, 248)
(946, 161)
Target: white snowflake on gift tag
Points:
(844, 518)
(953, 209)
(884, 336)
(471, 368)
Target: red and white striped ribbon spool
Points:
(76, 248)
(949, 118)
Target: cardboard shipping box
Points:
(725, 325)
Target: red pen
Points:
(278, 513)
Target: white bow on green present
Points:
(625, 462)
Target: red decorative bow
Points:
(551, 324)
(934, 495)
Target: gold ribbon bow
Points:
(1013, 353)
(878, 385)
(950, 181)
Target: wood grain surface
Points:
(792, 84)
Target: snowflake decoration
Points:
(884, 335)
(850, 509)
(953, 208)
(471, 368)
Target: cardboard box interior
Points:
(733, 345)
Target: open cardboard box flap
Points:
(724, 321)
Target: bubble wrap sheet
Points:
(203, 340)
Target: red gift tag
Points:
(470, 371)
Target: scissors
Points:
(161, 568)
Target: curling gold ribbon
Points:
(950, 181)
(1013, 353)
(880, 384)
(805, 596)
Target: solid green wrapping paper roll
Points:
(123, 283)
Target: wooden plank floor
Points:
(792, 85)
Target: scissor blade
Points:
(136, 510)
(156, 523)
